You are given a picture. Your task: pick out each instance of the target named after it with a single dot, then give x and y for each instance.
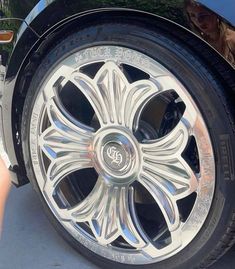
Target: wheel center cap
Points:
(116, 156)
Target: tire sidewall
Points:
(206, 92)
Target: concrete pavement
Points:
(29, 241)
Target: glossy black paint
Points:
(59, 10)
(39, 23)
(224, 8)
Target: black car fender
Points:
(53, 20)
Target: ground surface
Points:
(29, 241)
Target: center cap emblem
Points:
(115, 156)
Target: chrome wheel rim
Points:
(134, 168)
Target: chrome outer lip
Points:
(119, 109)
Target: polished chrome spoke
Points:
(128, 223)
(66, 143)
(57, 81)
(110, 212)
(84, 211)
(140, 94)
(114, 100)
(169, 208)
(164, 199)
(165, 173)
(163, 158)
(99, 210)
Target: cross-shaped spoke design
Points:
(119, 158)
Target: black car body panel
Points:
(224, 9)
(39, 23)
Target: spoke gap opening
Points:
(151, 217)
(133, 74)
(185, 206)
(160, 116)
(75, 187)
(77, 105)
(91, 69)
(191, 155)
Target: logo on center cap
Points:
(114, 154)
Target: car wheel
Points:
(129, 142)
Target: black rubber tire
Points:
(217, 234)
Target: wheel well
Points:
(222, 70)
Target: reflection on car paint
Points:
(202, 21)
(212, 29)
